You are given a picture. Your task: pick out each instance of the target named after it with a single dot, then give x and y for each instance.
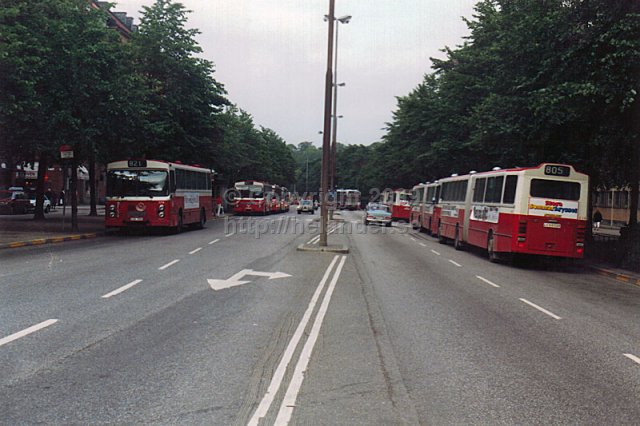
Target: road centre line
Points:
(423, 244)
(214, 241)
(632, 357)
(121, 289)
(455, 263)
(195, 251)
(435, 252)
(27, 331)
(289, 400)
(412, 239)
(487, 281)
(173, 262)
(230, 234)
(278, 375)
(551, 314)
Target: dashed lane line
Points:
(173, 262)
(121, 289)
(27, 331)
(633, 358)
(214, 241)
(551, 314)
(455, 263)
(195, 251)
(435, 252)
(487, 281)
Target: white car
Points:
(32, 201)
(305, 206)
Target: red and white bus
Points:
(425, 211)
(538, 210)
(158, 194)
(285, 201)
(253, 197)
(348, 199)
(399, 202)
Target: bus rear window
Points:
(555, 189)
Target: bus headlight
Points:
(161, 211)
(112, 210)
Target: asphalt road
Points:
(402, 330)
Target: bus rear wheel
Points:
(441, 239)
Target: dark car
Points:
(14, 202)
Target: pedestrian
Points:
(597, 218)
(49, 194)
(61, 201)
(220, 208)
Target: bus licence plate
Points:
(552, 225)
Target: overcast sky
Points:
(271, 56)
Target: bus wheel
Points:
(493, 257)
(457, 244)
(441, 239)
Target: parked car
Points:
(14, 202)
(32, 203)
(377, 213)
(305, 206)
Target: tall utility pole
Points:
(326, 146)
(334, 143)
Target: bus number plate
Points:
(552, 225)
(557, 171)
(137, 163)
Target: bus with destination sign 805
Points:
(150, 193)
(528, 210)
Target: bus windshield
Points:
(250, 191)
(555, 189)
(137, 183)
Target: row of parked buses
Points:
(253, 197)
(399, 203)
(149, 193)
(538, 210)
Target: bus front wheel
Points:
(179, 225)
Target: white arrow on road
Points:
(236, 279)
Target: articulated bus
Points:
(149, 193)
(538, 210)
(253, 197)
(425, 211)
(348, 199)
(399, 202)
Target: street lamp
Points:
(334, 144)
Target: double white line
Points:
(289, 401)
(316, 239)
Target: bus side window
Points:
(510, 189)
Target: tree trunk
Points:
(74, 195)
(38, 213)
(92, 183)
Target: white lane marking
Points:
(173, 262)
(487, 281)
(423, 244)
(121, 289)
(455, 263)
(27, 331)
(278, 375)
(314, 240)
(289, 401)
(214, 241)
(230, 234)
(551, 314)
(195, 251)
(435, 252)
(412, 239)
(632, 357)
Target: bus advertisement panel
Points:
(149, 193)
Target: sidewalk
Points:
(21, 230)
